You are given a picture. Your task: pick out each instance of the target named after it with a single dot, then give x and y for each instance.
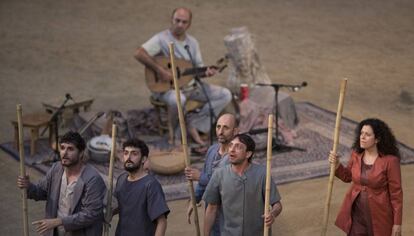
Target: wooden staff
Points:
(22, 170)
(268, 167)
(334, 149)
(183, 136)
(110, 180)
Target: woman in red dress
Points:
(373, 204)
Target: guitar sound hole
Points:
(169, 65)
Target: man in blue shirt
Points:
(141, 207)
(226, 129)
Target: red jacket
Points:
(384, 190)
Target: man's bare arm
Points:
(276, 209)
(269, 218)
(161, 226)
(142, 56)
(209, 218)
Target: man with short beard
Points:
(141, 207)
(239, 189)
(217, 156)
(73, 190)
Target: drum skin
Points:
(167, 163)
(99, 148)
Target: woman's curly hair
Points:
(387, 144)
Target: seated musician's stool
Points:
(163, 118)
(34, 121)
(163, 114)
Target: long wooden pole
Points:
(22, 170)
(334, 149)
(268, 168)
(110, 180)
(183, 136)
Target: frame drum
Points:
(167, 163)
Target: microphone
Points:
(298, 87)
(293, 88)
(68, 97)
(196, 75)
(187, 48)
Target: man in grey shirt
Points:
(73, 190)
(184, 45)
(239, 188)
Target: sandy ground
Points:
(50, 48)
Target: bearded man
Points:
(141, 202)
(239, 189)
(216, 157)
(73, 190)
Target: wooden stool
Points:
(163, 118)
(163, 115)
(34, 121)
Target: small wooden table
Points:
(34, 121)
(71, 107)
(74, 106)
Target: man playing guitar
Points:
(187, 48)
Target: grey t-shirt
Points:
(140, 203)
(241, 198)
(158, 46)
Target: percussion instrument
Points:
(167, 163)
(99, 148)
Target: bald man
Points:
(217, 156)
(184, 45)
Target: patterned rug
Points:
(314, 135)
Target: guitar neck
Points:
(200, 71)
(185, 73)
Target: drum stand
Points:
(277, 145)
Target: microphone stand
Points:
(277, 145)
(55, 120)
(203, 89)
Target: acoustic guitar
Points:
(184, 71)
